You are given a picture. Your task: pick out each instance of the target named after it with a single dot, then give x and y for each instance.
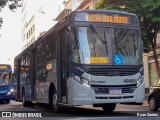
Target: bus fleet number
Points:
(129, 81)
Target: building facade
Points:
(71, 5)
(37, 17)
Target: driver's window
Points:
(5, 80)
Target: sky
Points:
(10, 39)
(10, 32)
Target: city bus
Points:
(90, 57)
(6, 86)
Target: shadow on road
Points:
(84, 112)
(3, 102)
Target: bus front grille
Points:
(111, 72)
(119, 97)
(2, 95)
(99, 89)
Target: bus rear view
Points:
(107, 59)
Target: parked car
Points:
(154, 96)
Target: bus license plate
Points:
(114, 91)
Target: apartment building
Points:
(37, 17)
(71, 5)
(87, 4)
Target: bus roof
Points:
(74, 13)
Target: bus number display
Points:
(107, 18)
(3, 66)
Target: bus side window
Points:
(41, 52)
(50, 47)
(5, 80)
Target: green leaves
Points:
(12, 4)
(148, 12)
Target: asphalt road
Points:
(122, 111)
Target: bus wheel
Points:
(54, 101)
(24, 102)
(109, 107)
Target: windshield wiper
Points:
(94, 28)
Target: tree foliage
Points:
(12, 4)
(148, 12)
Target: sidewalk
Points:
(145, 103)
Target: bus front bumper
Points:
(87, 96)
(4, 97)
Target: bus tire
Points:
(24, 102)
(109, 107)
(53, 101)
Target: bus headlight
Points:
(140, 81)
(85, 82)
(11, 91)
(78, 79)
(82, 81)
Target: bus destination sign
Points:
(3, 66)
(107, 18)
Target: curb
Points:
(145, 104)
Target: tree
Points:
(12, 4)
(148, 12)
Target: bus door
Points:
(64, 63)
(18, 69)
(33, 64)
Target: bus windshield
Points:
(5, 75)
(106, 45)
